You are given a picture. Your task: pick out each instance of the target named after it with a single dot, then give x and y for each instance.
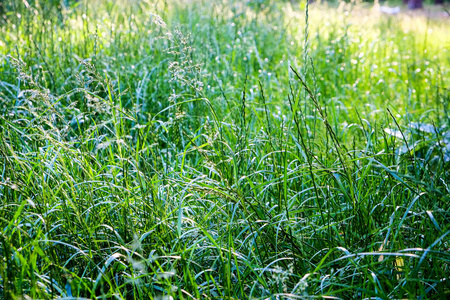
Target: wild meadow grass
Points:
(224, 150)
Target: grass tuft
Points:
(222, 149)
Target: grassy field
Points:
(223, 149)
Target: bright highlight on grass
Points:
(223, 150)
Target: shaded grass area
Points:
(228, 150)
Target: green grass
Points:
(157, 149)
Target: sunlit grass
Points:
(159, 149)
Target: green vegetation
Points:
(223, 149)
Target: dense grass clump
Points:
(223, 149)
